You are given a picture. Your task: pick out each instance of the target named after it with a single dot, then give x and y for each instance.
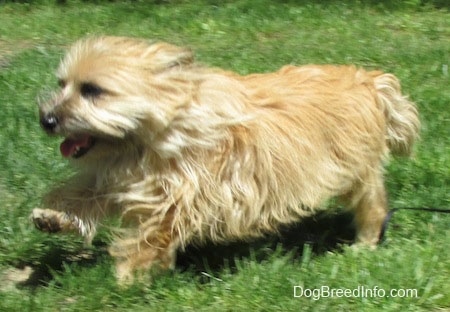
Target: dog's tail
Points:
(401, 114)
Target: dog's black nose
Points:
(49, 122)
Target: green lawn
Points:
(39, 272)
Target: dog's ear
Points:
(163, 56)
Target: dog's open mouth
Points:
(76, 147)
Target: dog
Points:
(184, 153)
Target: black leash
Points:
(391, 212)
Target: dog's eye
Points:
(61, 83)
(90, 90)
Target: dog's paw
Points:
(50, 221)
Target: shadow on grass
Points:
(323, 232)
(56, 259)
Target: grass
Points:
(409, 40)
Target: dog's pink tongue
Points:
(70, 146)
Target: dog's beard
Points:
(89, 131)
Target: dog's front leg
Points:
(146, 257)
(53, 221)
(152, 245)
(68, 211)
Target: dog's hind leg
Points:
(369, 204)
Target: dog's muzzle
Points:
(49, 122)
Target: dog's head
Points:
(115, 90)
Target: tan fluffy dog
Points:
(185, 153)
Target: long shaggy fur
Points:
(185, 153)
